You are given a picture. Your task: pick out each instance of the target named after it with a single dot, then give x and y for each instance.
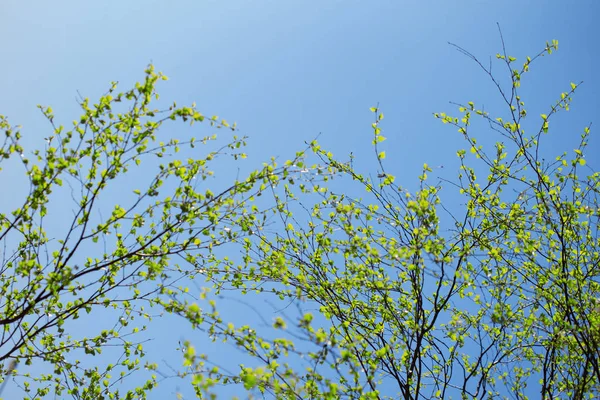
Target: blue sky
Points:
(286, 71)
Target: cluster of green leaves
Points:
(116, 256)
(415, 299)
(497, 299)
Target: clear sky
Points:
(287, 70)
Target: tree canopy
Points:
(482, 286)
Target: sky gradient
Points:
(287, 71)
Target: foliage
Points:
(122, 260)
(496, 297)
(415, 297)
